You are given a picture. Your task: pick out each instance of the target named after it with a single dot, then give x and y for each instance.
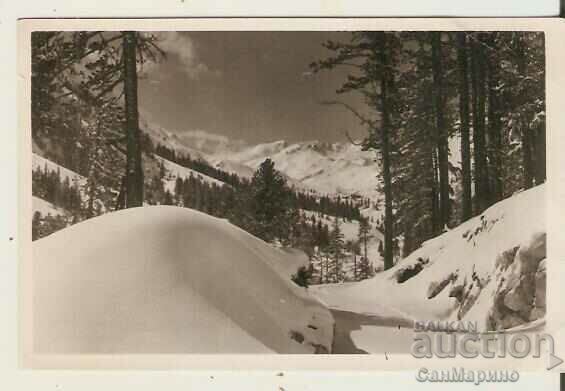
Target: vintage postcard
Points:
(293, 193)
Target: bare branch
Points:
(357, 144)
(364, 120)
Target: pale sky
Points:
(254, 86)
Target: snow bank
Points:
(165, 279)
(489, 270)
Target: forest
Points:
(456, 121)
(423, 90)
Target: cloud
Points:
(183, 48)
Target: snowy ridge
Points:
(46, 208)
(151, 280)
(468, 261)
(210, 143)
(174, 171)
(338, 168)
(241, 170)
(325, 168)
(41, 162)
(167, 138)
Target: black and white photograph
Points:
(284, 192)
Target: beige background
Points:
(555, 36)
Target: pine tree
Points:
(336, 247)
(36, 226)
(76, 80)
(494, 148)
(271, 209)
(364, 236)
(373, 54)
(134, 171)
(463, 86)
(479, 103)
(441, 134)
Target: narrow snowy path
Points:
(357, 333)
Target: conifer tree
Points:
(463, 87)
(270, 203)
(364, 236)
(373, 55)
(336, 247)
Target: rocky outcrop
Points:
(436, 287)
(406, 273)
(520, 295)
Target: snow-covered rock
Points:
(170, 280)
(520, 294)
(494, 265)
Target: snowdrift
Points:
(165, 279)
(489, 270)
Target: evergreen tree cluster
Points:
(424, 90)
(264, 206)
(331, 253)
(47, 185)
(84, 112)
(332, 206)
(42, 226)
(199, 165)
(268, 208)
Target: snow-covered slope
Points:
(210, 144)
(45, 207)
(338, 168)
(350, 230)
(155, 280)
(167, 138)
(490, 270)
(174, 171)
(326, 168)
(43, 163)
(239, 169)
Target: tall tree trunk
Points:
(527, 143)
(354, 266)
(540, 158)
(321, 269)
(479, 144)
(462, 64)
(365, 247)
(495, 124)
(527, 159)
(134, 171)
(436, 220)
(385, 149)
(441, 130)
(540, 155)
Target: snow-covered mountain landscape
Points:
(150, 290)
(153, 235)
(458, 274)
(326, 168)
